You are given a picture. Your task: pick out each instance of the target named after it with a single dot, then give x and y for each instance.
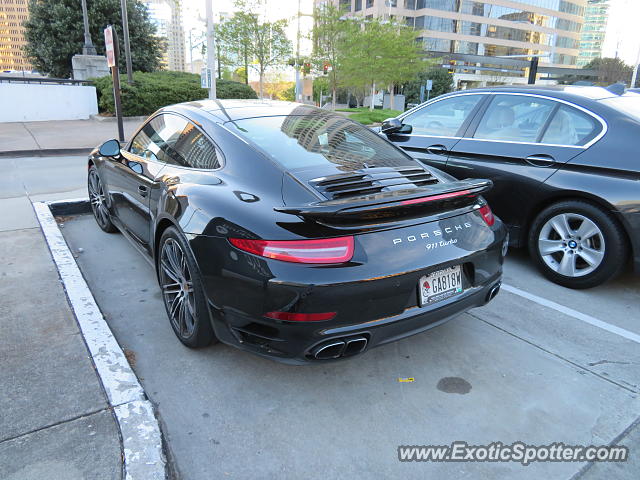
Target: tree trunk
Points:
(261, 83)
(246, 67)
(391, 99)
(333, 98)
(373, 93)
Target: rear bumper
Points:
(296, 344)
(370, 302)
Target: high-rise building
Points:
(167, 17)
(550, 28)
(12, 15)
(593, 31)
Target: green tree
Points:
(442, 83)
(55, 33)
(381, 53)
(235, 35)
(610, 70)
(270, 46)
(330, 34)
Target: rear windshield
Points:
(628, 103)
(299, 141)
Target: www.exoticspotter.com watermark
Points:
(515, 452)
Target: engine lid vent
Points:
(372, 180)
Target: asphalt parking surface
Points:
(513, 370)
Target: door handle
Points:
(437, 149)
(142, 190)
(540, 160)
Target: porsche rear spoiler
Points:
(437, 197)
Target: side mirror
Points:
(110, 148)
(393, 125)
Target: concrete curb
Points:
(46, 152)
(139, 428)
(100, 118)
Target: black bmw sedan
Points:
(292, 232)
(563, 161)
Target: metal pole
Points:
(297, 67)
(88, 48)
(115, 75)
(211, 47)
(635, 71)
(125, 33)
(533, 71)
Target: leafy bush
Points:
(151, 91)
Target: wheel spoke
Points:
(168, 269)
(591, 256)
(560, 224)
(567, 265)
(587, 229)
(175, 306)
(547, 247)
(171, 288)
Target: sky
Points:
(623, 28)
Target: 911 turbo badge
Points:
(270, 227)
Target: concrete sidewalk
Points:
(54, 137)
(54, 417)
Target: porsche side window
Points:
(157, 138)
(442, 118)
(194, 149)
(514, 118)
(570, 126)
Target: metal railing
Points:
(42, 80)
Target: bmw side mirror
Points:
(394, 125)
(110, 148)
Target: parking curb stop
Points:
(139, 428)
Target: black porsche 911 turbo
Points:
(293, 232)
(563, 162)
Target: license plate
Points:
(440, 285)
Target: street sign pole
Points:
(211, 47)
(429, 87)
(113, 53)
(125, 34)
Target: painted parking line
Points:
(139, 429)
(634, 337)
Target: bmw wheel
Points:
(98, 201)
(577, 244)
(182, 291)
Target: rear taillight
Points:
(487, 215)
(300, 317)
(326, 250)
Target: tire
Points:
(182, 292)
(98, 200)
(577, 244)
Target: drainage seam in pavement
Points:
(55, 424)
(555, 355)
(585, 468)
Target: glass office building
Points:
(593, 31)
(551, 28)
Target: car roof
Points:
(231, 110)
(558, 91)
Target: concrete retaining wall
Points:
(28, 102)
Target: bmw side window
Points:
(157, 138)
(570, 126)
(193, 149)
(515, 118)
(444, 117)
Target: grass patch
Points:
(367, 117)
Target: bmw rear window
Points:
(299, 141)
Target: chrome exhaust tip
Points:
(493, 292)
(355, 346)
(329, 350)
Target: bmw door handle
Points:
(143, 190)
(437, 149)
(540, 160)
